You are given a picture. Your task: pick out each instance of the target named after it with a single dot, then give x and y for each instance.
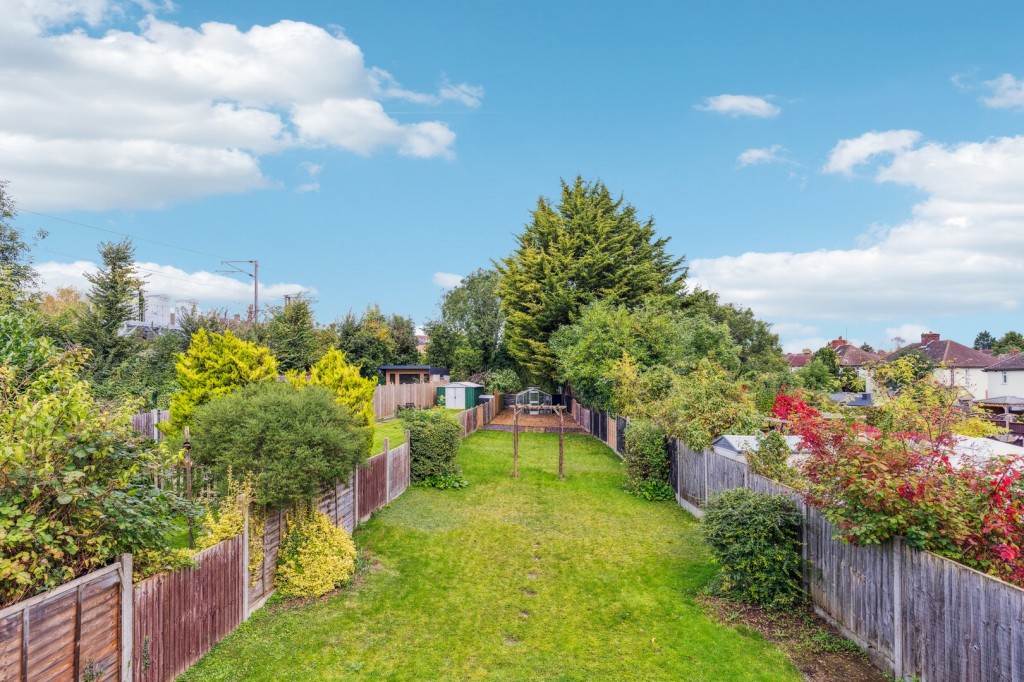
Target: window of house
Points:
(1006, 377)
(392, 377)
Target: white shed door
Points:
(457, 398)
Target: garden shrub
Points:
(227, 520)
(342, 379)
(771, 459)
(76, 487)
(503, 380)
(755, 541)
(291, 441)
(647, 466)
(434, 436)
(315, 556)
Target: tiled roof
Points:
(852, 356)
(1008, 363)
(797, 360)
(946, 352)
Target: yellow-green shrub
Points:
(315, 556)
(228, 520)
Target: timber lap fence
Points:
(476, 417)
(97, 627)
(389, 398)
(917, 614)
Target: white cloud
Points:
(957, 254)
(1007, 93)
(850, 153)
(447, 280)
(308, 187)
(167, 113)
(739, 105)
(168, 280)
(762, 155)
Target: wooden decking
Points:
(533, 423)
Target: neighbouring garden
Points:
(529, 579)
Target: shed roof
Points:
(463, 384)
(740, 444)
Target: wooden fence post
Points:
(245, 563)
(387, 470)
(704, 458)
(127, 618)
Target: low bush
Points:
(434, 436)
(755, 541)
(647, 466)
(503, 381)
(315, 556)
(227, 519)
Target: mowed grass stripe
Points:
(528, 579)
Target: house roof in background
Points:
(797, 360)
(852, 356)
(945, 352)
(1010, 362)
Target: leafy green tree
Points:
(503, 380)
(344, 381)
(75, 481)
(984, 341)
(445, 340)
(759, 348)
(60, 315)
(867, 347)
(817, 375)
(467, 361)
(590, 246)
(292, 336)
(114, 299)
(474, 309)
(17, 276)
(291, 441)
(148, 375)
(213, 366)
(1008, 342)
(374, 339)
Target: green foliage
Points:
(754, 539)
(850, 380)
(149, 374)
(984, 341)
(114, 298)
(434, 436)
(817, 375)
(588, 247)
(466, 362)
(764, 387)
(374, 339)
(705, 404)
(227, 520)
(771, 459)
(903, 369)
(75, 482)
(344, 381)
(470, 314)
(503, 381)
(292, 441)
(314, 557)
(17, 276)
(1010, 341)
(759, 349)
(60, 315)
(647, 465)
(292, 337)
(215, 365)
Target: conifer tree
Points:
(114, 299)
(349, 387)
(590, 246)
(214, 365)
(292, 336)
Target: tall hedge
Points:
(434, 436)
(647, 466)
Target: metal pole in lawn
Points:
(561, 444)
(515, 443)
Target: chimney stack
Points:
(928, 337)
(837, 343)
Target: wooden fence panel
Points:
(388, 398)
(691, 474)
(145, 423)
(724, 473)
(69, 632)
(180, 615)
(372, 485)
(262, 584)
(398, 471)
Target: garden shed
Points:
(461, 395)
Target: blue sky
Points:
(841, 169)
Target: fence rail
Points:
(476, 417)
(921, 616)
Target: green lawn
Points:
(393, 429)
(529, 579)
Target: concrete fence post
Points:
(127, 618)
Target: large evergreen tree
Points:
(115, 298)
(590, 246)
(292, 336)
(374, 339)
(17, 277)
